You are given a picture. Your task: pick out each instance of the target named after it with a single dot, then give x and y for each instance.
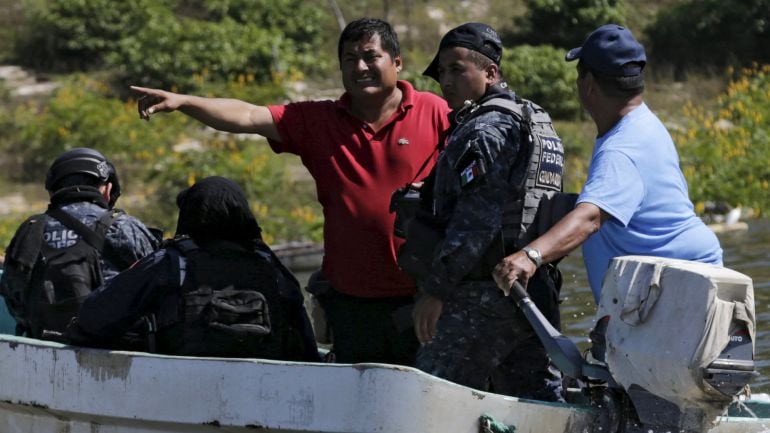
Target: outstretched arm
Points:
(231, 115)
(562, 238)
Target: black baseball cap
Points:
(473, 36)
(608, 48)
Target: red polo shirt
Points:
(356, 170)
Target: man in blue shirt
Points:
(635, 201)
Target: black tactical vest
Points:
(47, 285)
(539, 205)
(230, 304)
(544, 173)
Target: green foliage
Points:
(169, 52)
(421, 82)
(259, 39)
(297, 21)
(285, 207)
(244, 87)
(711, 34)
(564, 23)
(578, 139)
(724, 152)
(8, 226)
(78, 33)
(541, 75)
(82, 112)
(156, 161)
(165, 43)
(11, 18)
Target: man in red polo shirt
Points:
(359, 149)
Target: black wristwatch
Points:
(534, 255)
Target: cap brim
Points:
(432, 69)
(573, 54)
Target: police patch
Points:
(551, 164)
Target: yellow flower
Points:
(700, 207)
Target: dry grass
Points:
(667, 97)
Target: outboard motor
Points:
(678, 339)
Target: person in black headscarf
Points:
(216, 289)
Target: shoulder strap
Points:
(177, 251)
(100, 228)
(96, 240)
(523, 109)
(185, 245)
(176, 258)
(105, 221)
(506, 105)
(501, 104)
(288, 287)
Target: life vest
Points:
(45, 286)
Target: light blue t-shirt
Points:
(635, 177)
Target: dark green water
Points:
(746, 251)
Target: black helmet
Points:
(86, 161)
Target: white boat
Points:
(47, 387)
(50, 387)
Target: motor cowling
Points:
(679, 338)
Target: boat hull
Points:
(49, 387)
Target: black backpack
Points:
(211, 314)
(44, 286)
(229, 311)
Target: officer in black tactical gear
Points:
(501, 160)
(216, 289)
(57, 258)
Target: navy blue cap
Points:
(608, 48)
(473, 36)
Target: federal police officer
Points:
(57, 258)
(501, 160)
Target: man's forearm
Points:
(570, 232)
(224, 114)
(231, 115)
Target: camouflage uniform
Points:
(127, 240)
(482, 339)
